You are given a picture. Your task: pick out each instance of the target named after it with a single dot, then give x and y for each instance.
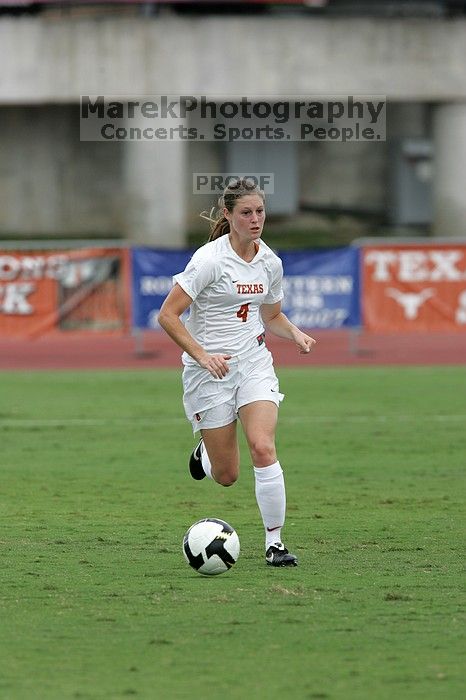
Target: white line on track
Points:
(156, 420)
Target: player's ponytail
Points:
(220, 227)
(234, 191)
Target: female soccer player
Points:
(233, 286)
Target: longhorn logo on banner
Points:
(414, 289)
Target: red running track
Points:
(155, 350)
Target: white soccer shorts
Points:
(213, 403)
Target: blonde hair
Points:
(232, 192)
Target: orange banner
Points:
(81, 289)
(414, 288)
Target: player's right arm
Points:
(176, 303)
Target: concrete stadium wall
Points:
(56, 60)
(52, 183)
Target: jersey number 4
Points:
(242, 312)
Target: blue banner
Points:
(151, 280)
(321, 287)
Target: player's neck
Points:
(247, 251)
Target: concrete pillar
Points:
(406, 120)
(409, 186)
(450, 170)
(154, 175)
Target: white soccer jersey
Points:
(227, 293)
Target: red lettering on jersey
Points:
(250, 288)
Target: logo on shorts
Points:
(198, 417)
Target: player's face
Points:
(248, 216)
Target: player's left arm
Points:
(277, 323)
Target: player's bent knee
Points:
(227, 480)
(262, 452)
(225, 477)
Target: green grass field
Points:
(96, 600)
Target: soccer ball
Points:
(211, 546)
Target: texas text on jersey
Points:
(227, 294)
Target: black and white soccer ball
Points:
(211, 546)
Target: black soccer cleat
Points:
(195, 463)
(278, 555)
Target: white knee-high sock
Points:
(205, 461)
(271, 499)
